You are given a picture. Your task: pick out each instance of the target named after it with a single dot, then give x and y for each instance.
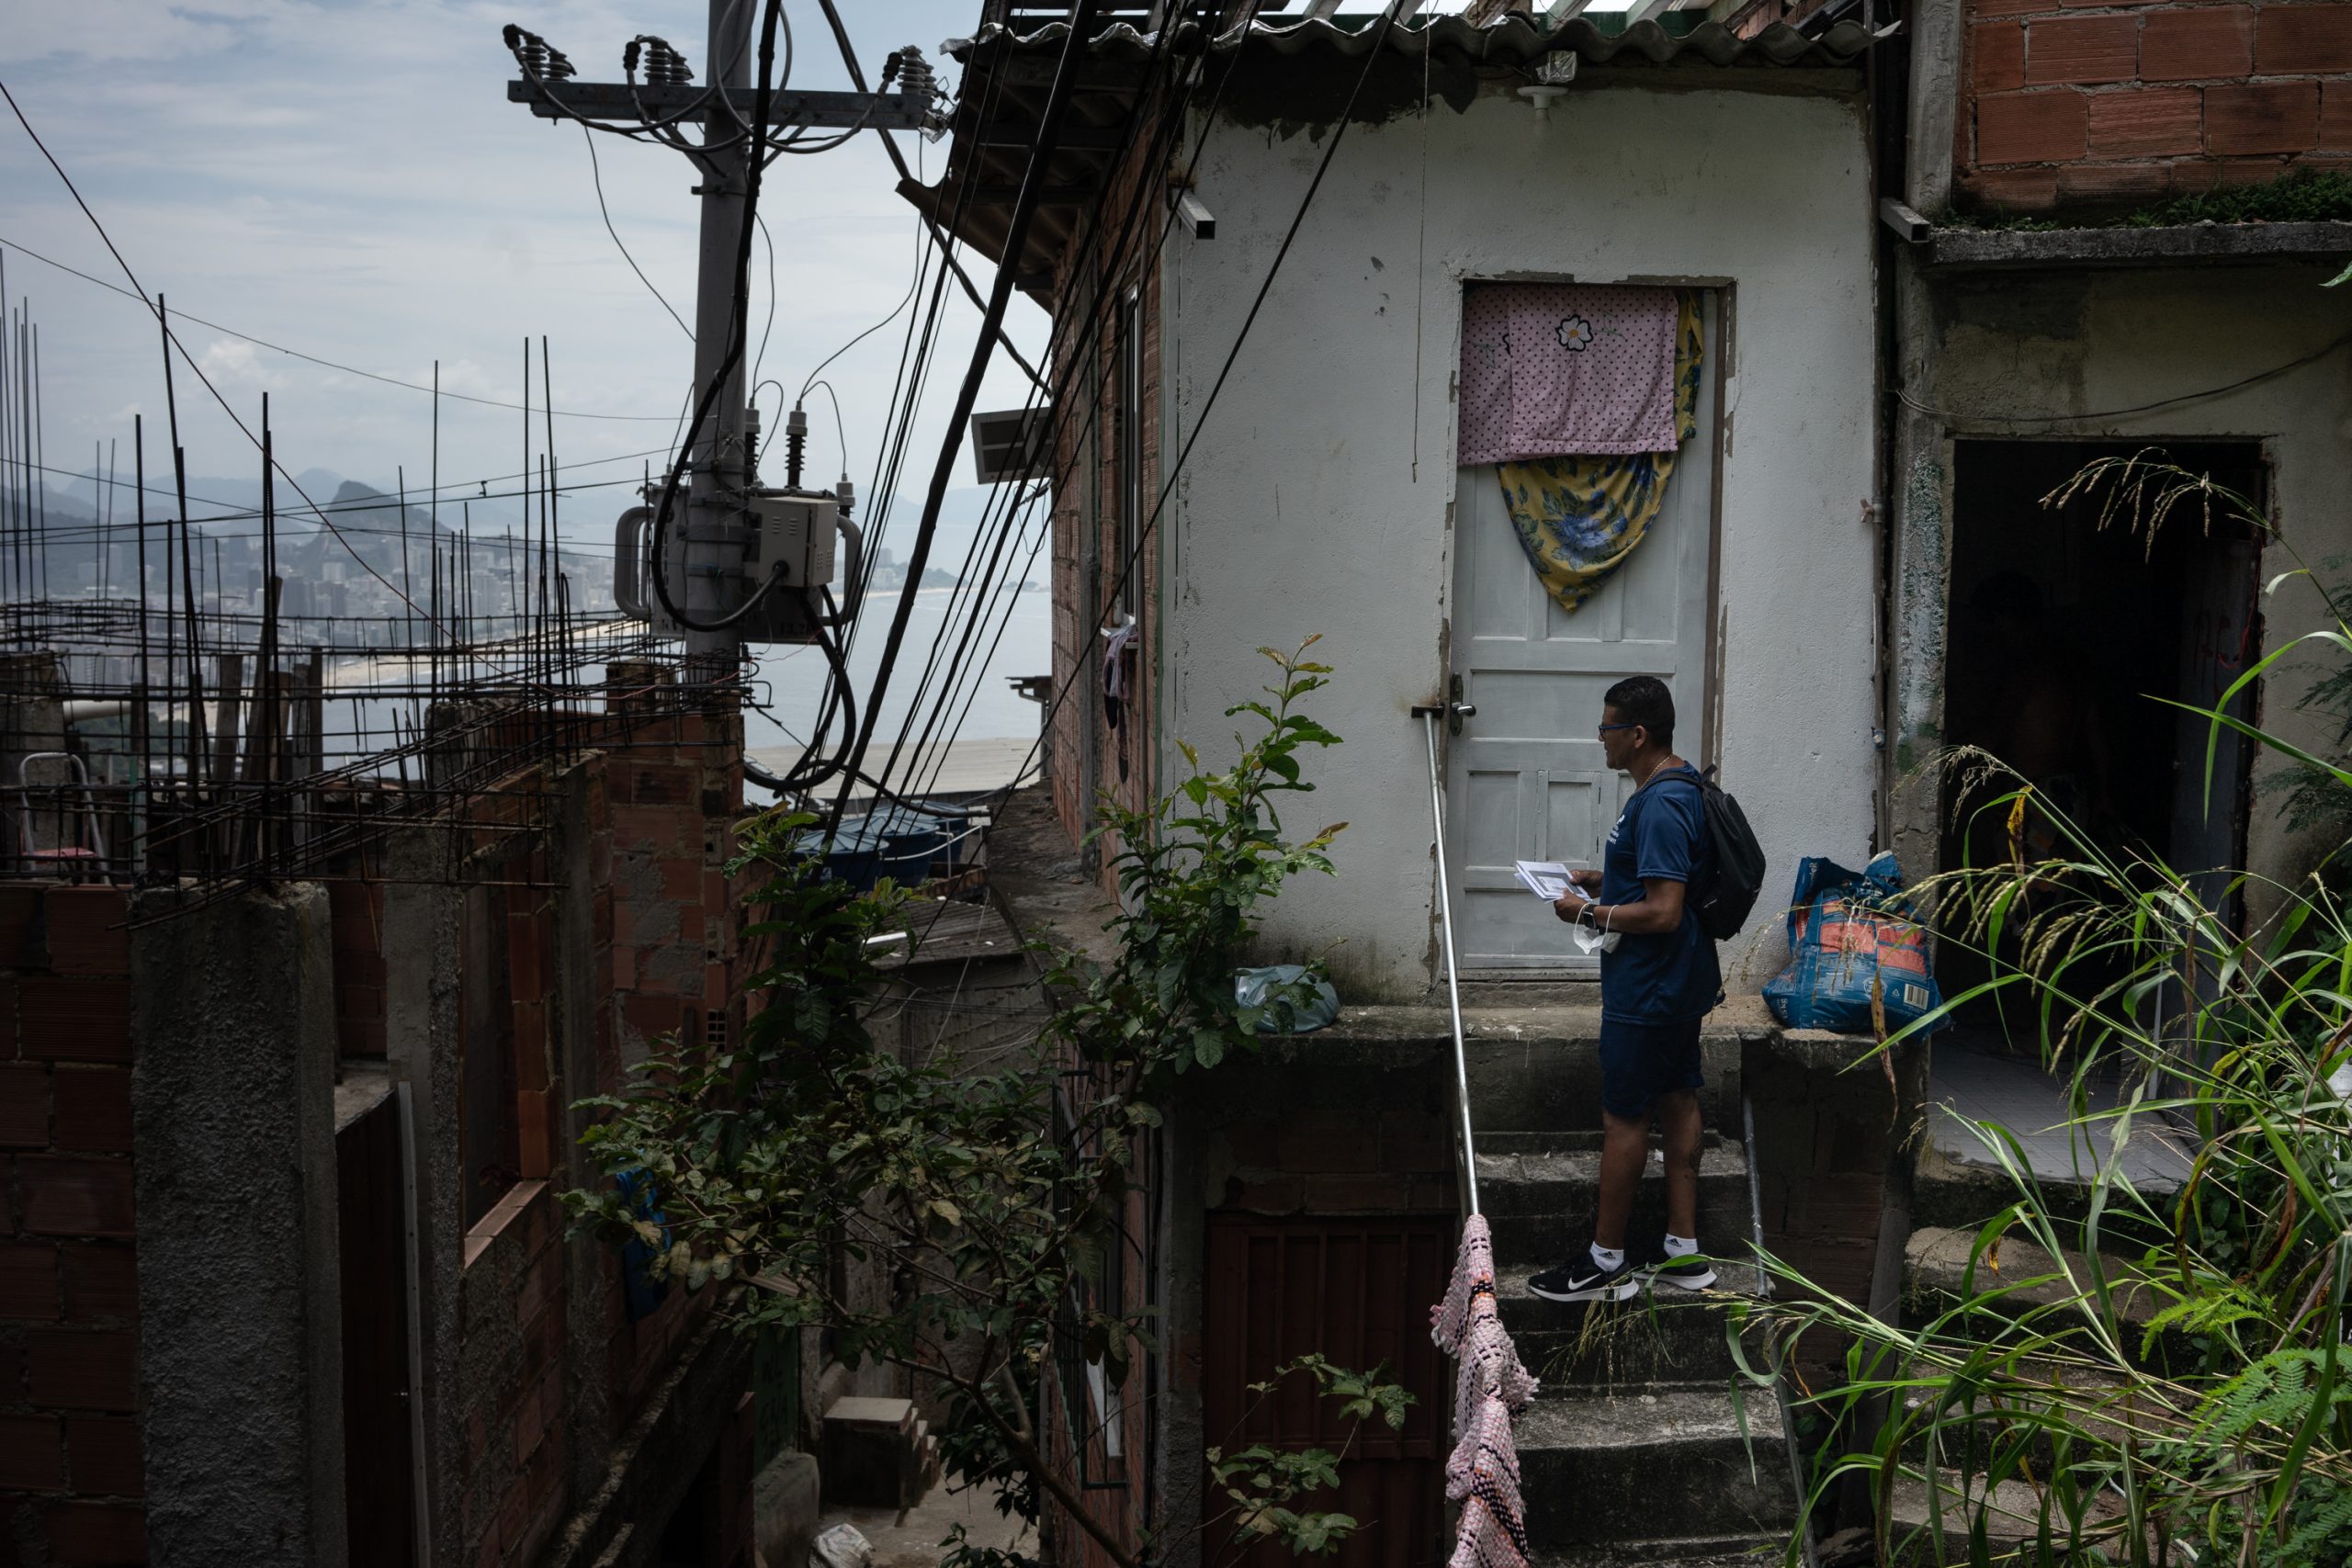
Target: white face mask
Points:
(1589, 941)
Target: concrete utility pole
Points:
(709, 547)
(708, 550)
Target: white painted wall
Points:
(1311, 505)
(2015, 352)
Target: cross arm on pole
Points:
(620, 101)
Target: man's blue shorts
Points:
(1639, 1062)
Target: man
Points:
(1657, 985)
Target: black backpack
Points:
(1724, 903)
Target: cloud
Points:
(346, 177)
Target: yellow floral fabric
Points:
(1581, 518)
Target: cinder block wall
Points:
(70, 1470)
(657, 949)
(2066, 105)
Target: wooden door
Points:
(1357, 1290)
(1524, 778)
(378, 1473)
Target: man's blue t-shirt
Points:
(1662, 833)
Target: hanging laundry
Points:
(1115, 688)
(1474, 1276)
(1490, 1367)
(1580, 518)
(1490, 1389)
(1486, 1465)
(1483, 1476)
(1567, 369)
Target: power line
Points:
(1199, 421)
(1024, 209)
(239, 512)
(170, 341)
(312, 358)
(596, 171)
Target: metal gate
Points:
(1357, 1290)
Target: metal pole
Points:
(707, 547)
(1452, 985)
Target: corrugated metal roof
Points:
(1507, 40)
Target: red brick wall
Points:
(511, 1377)
(2064, 104)
(661, 958)
(71, 1473)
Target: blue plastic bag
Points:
(1853, 942)
(1296, 1003)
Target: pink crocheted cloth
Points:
(1564, 369)
(1474, 1273)
(1487, 1539)
(1490, 1388)
(1486, 1460)
(1490, 1370)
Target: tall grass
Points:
(2161, 1377)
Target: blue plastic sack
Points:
(1294, 1003)
(1852, 940)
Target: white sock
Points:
(1680, 1246)
(1609, 1257)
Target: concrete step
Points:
(1662, 1338)
(876, 1453)
(1646, 1476)
(1959, 1188)
(1715, 1552)
(1525, 1081)
(1936, 1279)
(1576, 1140)
(1541, 1206)
(1534, 1066)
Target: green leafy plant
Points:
(992, 1195)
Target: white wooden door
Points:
(1524, 778)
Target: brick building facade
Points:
(471, 982)
(2071, 105)
(70, 1469)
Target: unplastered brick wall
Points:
(660, 800)
(2071, 105)
(70, 1474)
(665, 944)
(511, 1377)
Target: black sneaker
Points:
(1691, 1273)
(1582, 1279)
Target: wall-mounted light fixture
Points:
(1551, 76)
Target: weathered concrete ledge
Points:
(1430, 1024)
(2212, 242)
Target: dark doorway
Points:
(1359, 1292)
(380, 1504)
(2072, 626)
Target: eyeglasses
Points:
(1607, 728)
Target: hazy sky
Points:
(346, 177)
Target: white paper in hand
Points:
(1547, 879)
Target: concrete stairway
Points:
(1638, 1451)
